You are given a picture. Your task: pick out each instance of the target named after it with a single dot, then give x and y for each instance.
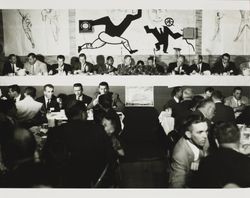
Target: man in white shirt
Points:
(34, 66)
(15, 93)
(188, 151)
(28, 108)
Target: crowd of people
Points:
(34, 66)
(193, 142)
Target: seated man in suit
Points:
(34, 66)
(178, 67)
(227, 164)
(78, 96)
(237, 101)
(117, 104)
(223, 113)
(110, 69)
(48, 100)
(224, 66)
(60, 68)
(12, 65)
(153, 67)
(15, 93)
(208, 92)
(188, 151)
(126, 68)
(199, 67)
(83, 66)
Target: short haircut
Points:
(200, 57)
(188, 93)
(217, 95)
(15, 87)
(184, 58)
(112, 116)
(30, 91)
(32, 55)
(175, 90)
(151, 58)
(61, 57)
(204, 102)
(237, 88)
(74, 109)
(82, 55)
(11, 55)
(209, 89)
(104, 84)
(78, 85)
(196, 100)
(226, 132)
(48, 85)
(126, 56)
(227, 55)
(109, 57)
(140, 62)
(192, 119)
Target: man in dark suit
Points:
(227, 165)
(178, 67)
(48, 100)
(12, 65)
(14, 93)
(222, 113)
(78, 96)
(244, 117)
(224, 66)
(83, 66)
(60, 67)
(199, 66)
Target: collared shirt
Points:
(18, 98)
(46, 101)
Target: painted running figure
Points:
(112, 33)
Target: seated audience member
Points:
(48, 99)
(166, 120)
(34, 66)
(153, 67)
(78, 96)
(227, 165)
(199, 67)
(77, 152)
(176, 95)
(28, 109)
(83, 66)
(237, 101)
(178, 67)
(103, 88)
(126, 67)
(244, 117)
(245, 69)
(206, 108)
(18, 151)
(110, 69)
(12, 65)
(224, 66)
(14, 93)
(100, 67)
(8, 111)
(223, 113)
(208, 92)
(197, 99)
(188, 152)
(60, 68)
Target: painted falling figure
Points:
(244, 23)
(112, 34)
(26, 23)
(162, 36)
(218, 18)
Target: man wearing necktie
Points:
(199, 66)
(12, 65)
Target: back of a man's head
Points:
(18, 148)
(227, 133)
(30, 91)
(187, 93)
(76, 111)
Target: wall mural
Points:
(119, 32)
(40, 31)
(226, 31)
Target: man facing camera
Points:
(103, 88)
(60, 68)
(34, 66)
(48, 100)
(178, 67)
(224, 66)
(188, 151)
(78, 96)
(83, 66)
(12, 66)
(199, 67)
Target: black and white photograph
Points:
(136, 97)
